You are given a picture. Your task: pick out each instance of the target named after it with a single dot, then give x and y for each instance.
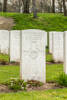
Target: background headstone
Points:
(45, 33)
(4, 41)
(33, 65)
(58, 46)
(15, 46)
(50, 42)
(65, 52)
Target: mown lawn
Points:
(8, 72)
(56, 94)
(53, 71)
(45, 21)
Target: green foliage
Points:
(62, 80)
(4, 57)
(49, 58)
(45, 21)
(34, 83)
(17, 84)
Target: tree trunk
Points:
(5, 6)
(26, 4)
(34, 8)
(53, 6)
(19, 5)
(64, 6)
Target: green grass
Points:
(53, 71)
(4, 57)
(49, 58)
(45, 21)
(8, 72)
(47, 50)
(57, 94)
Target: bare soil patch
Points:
(46, 86)
(6, 23)
(9, 63)
(4, 89)
(50, 63)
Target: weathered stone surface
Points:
(33, 65)
(50, 42)
(4, 41)
(15, 46)
(65, 52)
(58, 46)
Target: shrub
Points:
(34, 83)
(62, 80)
(17, 84)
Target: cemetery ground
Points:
(47, 22)
(47, 92)
(8, 21)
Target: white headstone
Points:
(4, 41)
(50, 42)
(15, 46)
(58, 46)
(45, 37)
(65, 52)
(33, 55)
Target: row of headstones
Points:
(10, 42)
(58, 47)
(32, 45)
(28, 46)
(33, 54)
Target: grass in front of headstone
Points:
(7, 72)
(45, 21)
(53, 71)
(55, 94)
